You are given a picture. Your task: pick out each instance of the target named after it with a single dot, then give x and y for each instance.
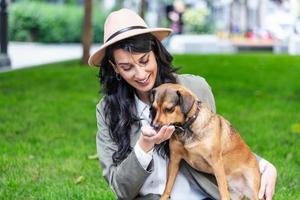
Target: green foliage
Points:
(196, 20)
(69, 2)
(47, 122)
(45, 22)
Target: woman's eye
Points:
(144, 62)
(126, 68)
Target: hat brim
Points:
(96, 58)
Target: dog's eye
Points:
(170, 110)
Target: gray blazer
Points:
(127, 178)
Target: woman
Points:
(132, 61)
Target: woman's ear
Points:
(117, 71)
(114, 66)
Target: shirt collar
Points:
(140, 106)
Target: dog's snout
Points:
(156, 126)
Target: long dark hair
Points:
(119, 95)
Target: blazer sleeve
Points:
(126, 178)
(200, 87)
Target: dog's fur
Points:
(210, 144)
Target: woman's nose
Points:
(139, 72)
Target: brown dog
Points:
(206, 141)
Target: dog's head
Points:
(170, 104)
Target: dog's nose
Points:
(156, 126)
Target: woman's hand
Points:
(150, 137)
(268, 179)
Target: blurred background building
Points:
(253, 18)
(247, 24)
(200, 26)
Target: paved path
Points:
(25, 54)
(32, 54)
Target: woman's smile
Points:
(137, 69)
(145, 81)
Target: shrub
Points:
(196, 20)
(45, 22)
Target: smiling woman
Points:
(134, 156)
(137, 69)
(130, 66)
(132, 61)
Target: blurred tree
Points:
(4, 59)
(143, 7)
(196, 20)
(298, 8)
(86, 38)
(118, 4)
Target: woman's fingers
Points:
(157, 137)
(169, 131)
(148, 131)
(164, 133)
(268, 180)
(270, 188)
(269, 192)
(262, 187)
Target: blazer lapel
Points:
(135, 131)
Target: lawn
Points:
(47, 122)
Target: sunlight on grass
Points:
(47, 122)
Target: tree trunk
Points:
(248, 18)
(231, 18)
(86, 38)
(258, 14)
(143, 5)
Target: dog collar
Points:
(190, 120)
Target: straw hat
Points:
(122, 24)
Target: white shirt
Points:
(156, 181)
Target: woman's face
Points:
(137, 69)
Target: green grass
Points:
(47, 122)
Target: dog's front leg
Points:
(219, 171)
(176, 152)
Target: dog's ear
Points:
(152, 96)
(185, 102)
